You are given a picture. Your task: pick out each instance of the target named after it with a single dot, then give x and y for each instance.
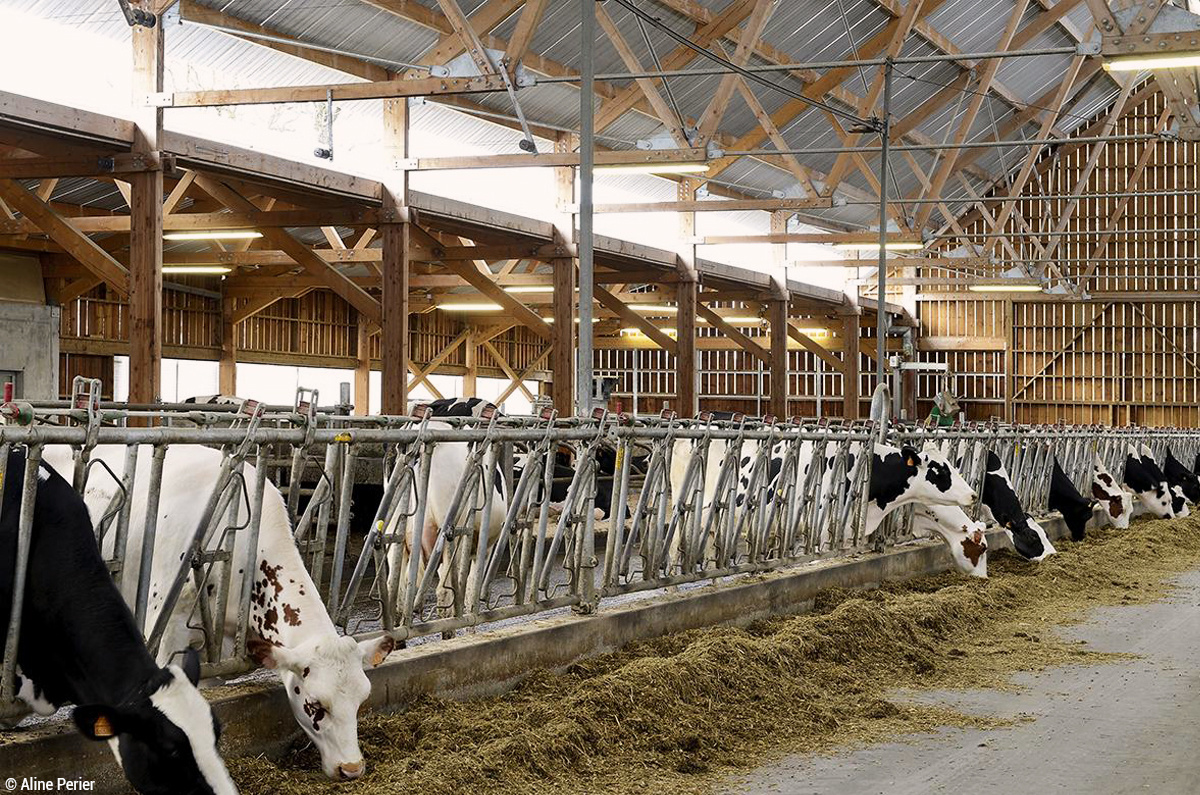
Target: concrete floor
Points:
(1130, 727)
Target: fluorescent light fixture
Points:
(219, 234)
(898, 245)
(736, 321)
(661, 309)
(637, 332)
(530, 288)
(551, 320)
(1150, 61)
(1005, 288)
(469, 307)
(198, 270)
(814, 332)
(654, 168)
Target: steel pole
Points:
(885, 130)
(587, 157)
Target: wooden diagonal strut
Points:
(487, 285)
(436, 362)
(805, 342)
(627, 315)
(518, 382)
(1065, 349)
(801, 173)
(661, 109)
(712, 115)
(74, 242)
(470, 42)
(531, 17)
(304, 256)
(735, 334)
(946, 167)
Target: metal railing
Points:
(687, 500)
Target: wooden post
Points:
(471, 376)
(145, 235)
(227, 367)
(778, 316)
(362, 373)
(685, 341)
(850, 344)
(685, 318)
(395, 237)
(562, 359)
(1009, 361)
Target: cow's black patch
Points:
(1002, 501)
(939, 475)
(1179, 475)
(890, 476)
(1144, 477)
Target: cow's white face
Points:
(1158, 502)
(1047, 547)
(965, 538)
(1115, 501)
(1179, 503)
(326, 688)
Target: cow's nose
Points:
(352, 770)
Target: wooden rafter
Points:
(737, 335)
(627, 315)
(752, 32)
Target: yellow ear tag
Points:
(102, 728)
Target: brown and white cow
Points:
(1115, 502)
(965, 538)
(290, 630)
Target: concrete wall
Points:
(257, 719)
(29, 346)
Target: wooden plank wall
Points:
(1119, 359)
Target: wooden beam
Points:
(59, 229)
(519, 381)
(227, 366)
(806, 342)
(531, 17)
(487, 285)
(777, 312)
(711, 117)
(688, 403)
(737, 335)
(718, 206)
(629, 157)
(627, 315)
(298, 251)
(341, 92)
(849, 369)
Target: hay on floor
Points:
(666, 714)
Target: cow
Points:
(1147, 481)
(79, 644)
(1181, 479)
(965, 537)
(904, 475)
(290, 630)
(1179, 500)
(1002, 507)
(1114, 500)
(1076, 509)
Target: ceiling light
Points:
(654, 168)
(897, 245)
(637, 332)
(813, 332)
(220, 234)
(198, 270)
(1005, 288)
(551, 320)
(736, 321)
(469, 307)
(655, 308)
(530, 288)
(1150, 61)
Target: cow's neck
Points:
(289, 605)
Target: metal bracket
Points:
(137, 16)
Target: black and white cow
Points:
(1181, 479)
(79, 645)
(1179, 500)
(1149, 484)
(1115, 501)
(965, 537)
(900, 476)
(1002, 507)
(290, 629)
(1076, 509)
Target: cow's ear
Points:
(97, 722)
(191, 666)
(911, 457)
(269, 655)
(374, 652)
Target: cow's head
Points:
(903, 475)
(965, 538)
(165, 736)
(1029, 539)
(327, 686)
(1147, 481)
(1179, 503)
(1116, 501)
(1181, 477)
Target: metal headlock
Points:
(692, 499)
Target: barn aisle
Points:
(1115, 728)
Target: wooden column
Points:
(471, 376)
(686, 363)
(145, 236)
(778, 316)
(850, 345)
(395, 237)
(685, 340)
(227, 366)
(562, 359)
(1009, 361)
(362, 373)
